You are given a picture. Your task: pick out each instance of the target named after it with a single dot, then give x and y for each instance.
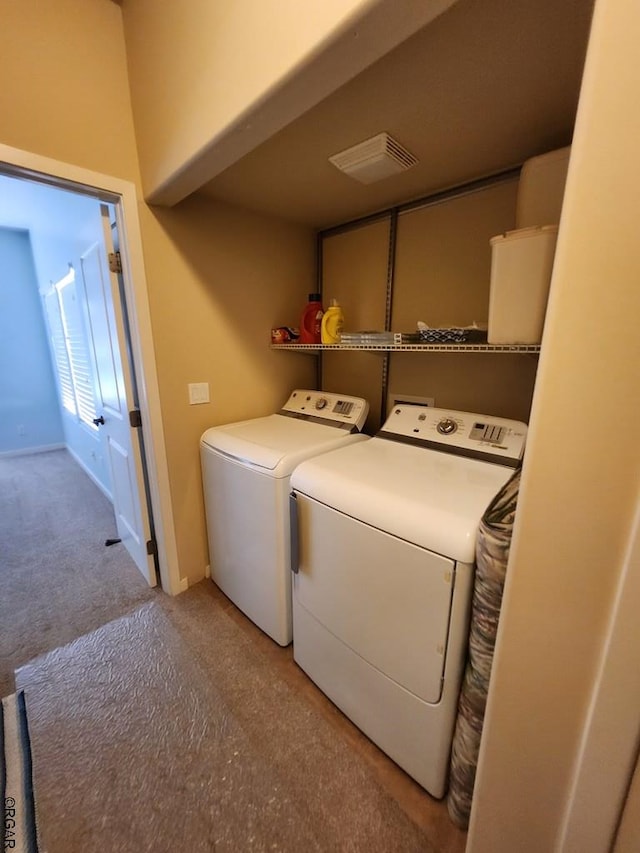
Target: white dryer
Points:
(245, 470)
(383, 573)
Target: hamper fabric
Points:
(492, 553)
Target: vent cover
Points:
(374, 159)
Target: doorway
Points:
(136, 352)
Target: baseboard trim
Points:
(27, 451)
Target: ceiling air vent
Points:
(374, 159)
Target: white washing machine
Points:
(383, 573)
(245, 470)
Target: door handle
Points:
(98, 421)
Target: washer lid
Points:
(431, 498)
(310, 422)
(275, 443)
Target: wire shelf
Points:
(474, 348)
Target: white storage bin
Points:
(521, 265)
(541, 188)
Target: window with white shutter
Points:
(70, 349)
(59, 348)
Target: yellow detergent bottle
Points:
(332, 323)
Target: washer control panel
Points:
(480, 435)
(327, 406)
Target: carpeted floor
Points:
(163, 723)
(258, 768)
(57, 578)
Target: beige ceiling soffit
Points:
(353, 47)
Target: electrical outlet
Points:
(410, 399)
(198, 393)
(21, 429)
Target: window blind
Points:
(59, 348)
(70, 349)
(78, 352)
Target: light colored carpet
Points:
(141, 744)
(57, 578)
(162, 724)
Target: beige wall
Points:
(64, 90)
(581, 469)
(613, 730)
(628, 838)
(443, 258)
(354, 271)
(219, 279)
(442, 276)
(63, 81)
(210, 81)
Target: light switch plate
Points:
(198, 392)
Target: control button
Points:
(447, 426)
(321, 402)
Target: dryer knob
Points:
(447, 426)
(321, 402)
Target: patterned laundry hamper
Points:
(492, 553)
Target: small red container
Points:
(285, 335)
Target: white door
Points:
(115, 399)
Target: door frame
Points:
(123, 195)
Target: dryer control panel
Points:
(465, 433)
(327, 407)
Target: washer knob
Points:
(447, 426)
(321, 402)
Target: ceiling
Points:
(487, 85)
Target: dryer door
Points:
(385, 598)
